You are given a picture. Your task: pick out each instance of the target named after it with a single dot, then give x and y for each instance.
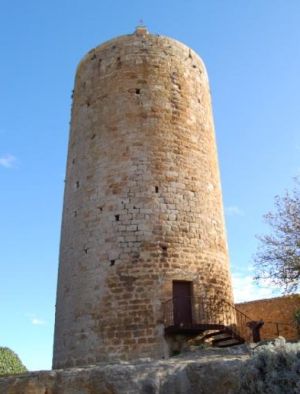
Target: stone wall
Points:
(211, 371)
(142, 204)
(277, 313)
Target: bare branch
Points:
(278, 256)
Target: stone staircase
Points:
(207, 323)
(224, 337)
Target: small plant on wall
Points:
(297, 320)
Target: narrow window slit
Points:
(156, 189)
(119, 63)
(138, 91)
(112, 262)
(99, 65)
(117, 217)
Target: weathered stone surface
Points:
(202, 372)
(142, 205)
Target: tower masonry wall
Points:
(142, 203)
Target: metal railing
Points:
(209, 311)
(273, 329)
(205, 311)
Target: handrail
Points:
(279, 328)
(233, 306)
(207, 310)
(279, 322)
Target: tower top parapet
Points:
(141, 30)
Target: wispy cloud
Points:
(8, 161)
(245, 289)
(36, 321)
(234, 210)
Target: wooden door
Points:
(182, 303)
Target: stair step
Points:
(228, 344)
(222, 339)
(215, 333)
(226, 338)
(221, 335)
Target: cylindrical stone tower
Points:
(143, 217)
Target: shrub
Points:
(273, 369)
(297, 317)
(10, 363)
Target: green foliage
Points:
(278, 256)
(297, 317)
(272, 369)
(10, 363)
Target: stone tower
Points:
(143, 218)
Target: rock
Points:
(199, 372)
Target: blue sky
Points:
(252, 53)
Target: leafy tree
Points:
(278, 256)
(10, 363)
